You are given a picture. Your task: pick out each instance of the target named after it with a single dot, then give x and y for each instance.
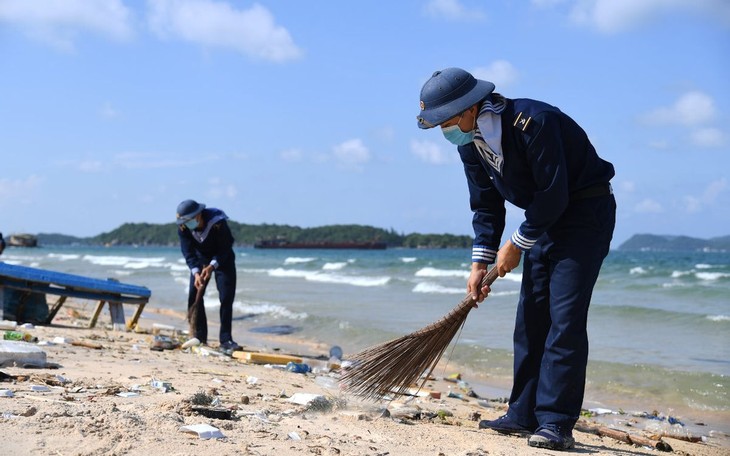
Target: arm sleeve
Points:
(224, 244)
(546, 157)
(488, 207)
(188, 250)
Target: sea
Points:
(659, 324)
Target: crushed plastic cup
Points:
(6, 393)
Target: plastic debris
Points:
(298, 368)
(204, 431)
(6, 393)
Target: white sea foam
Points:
(637, 270)
(434, 288)
(678, 274)
(119, 272)
(298, 260)
(711, 276)
(267, 309)
(704, 266)
(316, 276)
(435, 272)
(63, 256)
(334, 266)
(718, 317)
(123, 261)
(408, 259)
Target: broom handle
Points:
(487, 280)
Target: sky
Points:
(304, 113)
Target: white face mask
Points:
(192, 223)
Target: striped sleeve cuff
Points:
(482, 254)
(522, 241)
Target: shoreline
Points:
(622, 409)
(84, 418)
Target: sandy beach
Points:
(110, 394)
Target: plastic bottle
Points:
(299, 368)
(17, 335)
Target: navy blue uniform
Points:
(539, 159)
(213, 245)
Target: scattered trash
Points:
(293, 436)
(8, 325)
(298, 368)
(194, 342)
(306, 398)
(160, 343)
(40, 388)
(251, 380)
(327, 382)
(21, 353)
(61, 340)
(336, 352)
(219, 413)
(27, 326)
(19, 335)
(128, 394)
(6, 393)
(160, 385)
(204, 431)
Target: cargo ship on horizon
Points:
(285, 244)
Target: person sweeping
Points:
(536, 157)
(207, 246)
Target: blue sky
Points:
(303, 113)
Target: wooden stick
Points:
(622, 436)
(195, 308)
(87, 344)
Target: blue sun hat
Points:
(187, 210)
(448, 93)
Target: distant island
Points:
(246, 235)
(664, 243)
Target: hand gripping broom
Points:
(196, 307)
(394, 366)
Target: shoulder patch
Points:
(524, 123)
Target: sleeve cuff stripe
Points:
(522, 241)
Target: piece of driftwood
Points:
(622, 436)
(87, 344)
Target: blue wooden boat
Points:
(32, 281)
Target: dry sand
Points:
(82, 412)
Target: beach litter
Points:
(204, 431)
(6, 393)
(21, 354)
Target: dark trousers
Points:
(550, 338)
(225, 280)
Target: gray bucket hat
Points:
(187, 210)
(448, 93)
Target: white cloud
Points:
(501, 72)
(108, 111)
(19, 190)
(708, 137)
(135, 160)
(291, 155)
(430, 152)
(60, 22)
(692, 108)
(250, 31)
(648, 206)
(452, 10)
(218, 189)
(612, 16)
(351, 152)
(709, 196)
(627, 186)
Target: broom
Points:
(392, 367)
(195, 308)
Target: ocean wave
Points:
(718, 317)
(123, 261)
(334, 266)
(63, 257)
(299, 260)
(429, 287)
(316, 276)
(435, 272)
(712, 276)
(637, 270)
(408, 259)
(267, 309)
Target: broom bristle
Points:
(396, 365)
